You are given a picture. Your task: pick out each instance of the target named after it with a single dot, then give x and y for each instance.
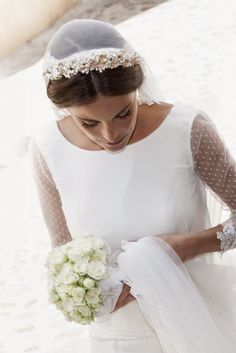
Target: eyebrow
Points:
(93, 120)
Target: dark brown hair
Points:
(84, 88)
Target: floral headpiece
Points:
(86, 61)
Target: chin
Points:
(121, 143)
(116, 150)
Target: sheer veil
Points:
(80, 39)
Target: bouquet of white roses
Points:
(74, 272)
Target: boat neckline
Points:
(127, 147)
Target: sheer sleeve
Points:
(213, 162)
(49, 198)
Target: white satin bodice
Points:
(148, 188)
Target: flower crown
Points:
(86, 61)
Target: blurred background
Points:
(190, 46)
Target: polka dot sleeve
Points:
(49, 198)
(213, 162)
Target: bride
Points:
(121, 163)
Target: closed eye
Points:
(124, 116)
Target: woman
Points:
(122, 164)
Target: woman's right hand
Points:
(124, 298)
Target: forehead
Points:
(104, 107)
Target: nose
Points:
(110, 134)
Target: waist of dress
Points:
(126, 322)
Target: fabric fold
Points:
(176, 300)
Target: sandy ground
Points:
(190, 46)
(112, 11)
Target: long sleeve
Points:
(49, 198)
(213, 162)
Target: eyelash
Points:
(95, 124)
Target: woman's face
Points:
(109, 121)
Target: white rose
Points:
(97, 243)
(60, 291)
(68, 305)
(93, 296)
(100, 255)
(69, 288)
(67, 275)
(85, 245)
(85, 310)
(89, 283)
(69, 278)
(62, 286)
(78, 295)
(78, 291)
(81, 266)
(56, 256)
(67, 268)
(97, 270)
(74, 253)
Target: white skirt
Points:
(127, 331)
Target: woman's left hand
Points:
(124, 298)
(181, 243)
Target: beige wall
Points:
(21, 20)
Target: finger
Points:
(125, 292)
(119, 303)
(129, 299)
(121, 298)
(126, 288)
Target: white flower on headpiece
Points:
(84, 62)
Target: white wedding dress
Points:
(154, 186)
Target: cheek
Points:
(92, 134)
(126, 127)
